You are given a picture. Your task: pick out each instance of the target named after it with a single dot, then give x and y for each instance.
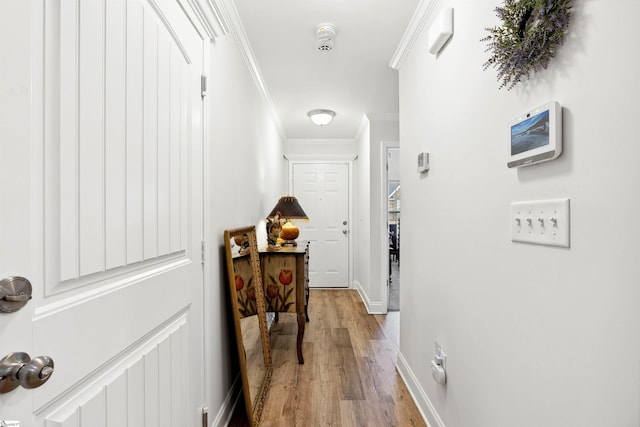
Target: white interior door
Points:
(101, 165)
(323, 192)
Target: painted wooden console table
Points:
(285, 276)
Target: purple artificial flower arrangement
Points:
(531, 32)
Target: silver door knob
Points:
(36, 372)
(19, 369)
(344, 232)
(15, 293)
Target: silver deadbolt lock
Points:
(15, 293)
(18, 369)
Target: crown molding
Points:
(206, 16)
(367, 118)
(384, 117)
(236, 29)
(416, 25)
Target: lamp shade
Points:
(289, 208)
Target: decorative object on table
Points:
(242, 242)
(530, 34)
(286, 209)
(273, 230)
(250, 320)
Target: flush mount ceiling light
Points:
(321, 117)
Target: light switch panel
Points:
(541, 222)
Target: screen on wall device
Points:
(536, 136)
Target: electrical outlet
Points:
(438, 368)
(439, 354)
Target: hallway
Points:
(349, 376)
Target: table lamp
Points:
(286, 209)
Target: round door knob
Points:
(19, 369)
(36, 372)
(10, 365)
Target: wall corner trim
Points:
(416, 391)
(372, 307)
(418, 20)
(228, 9)
(226, 410)
(364, 125)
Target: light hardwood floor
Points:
(349, 376)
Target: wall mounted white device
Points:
(536, 136)
(438, 365)
(423, 162)
(440, 31)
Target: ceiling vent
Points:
(325, 33)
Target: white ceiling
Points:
(354, 79)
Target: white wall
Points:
(534, 335)
(381, 131)
(369, 190)
(247, 175)
(362, 221)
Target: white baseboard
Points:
(372, 307)
(423, 403)
(228, 406)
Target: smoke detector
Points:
(325, 33)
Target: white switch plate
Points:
(541, 222)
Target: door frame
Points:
(384, 236)
(348, 160)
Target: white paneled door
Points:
(323, 192)
(101, 183)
